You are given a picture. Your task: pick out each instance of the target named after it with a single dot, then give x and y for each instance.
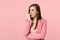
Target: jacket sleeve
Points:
(27, 25)
(40, 35)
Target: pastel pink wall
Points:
(13, 14)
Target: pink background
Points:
(13, 15)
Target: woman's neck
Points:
(35, 20)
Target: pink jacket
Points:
(40, 30)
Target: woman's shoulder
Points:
(42, 20)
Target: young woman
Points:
(35, 25)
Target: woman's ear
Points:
(37, 13)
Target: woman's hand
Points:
(28, 16)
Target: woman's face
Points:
(33, 11)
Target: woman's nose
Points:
(30, 13)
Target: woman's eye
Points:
(32, 10)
